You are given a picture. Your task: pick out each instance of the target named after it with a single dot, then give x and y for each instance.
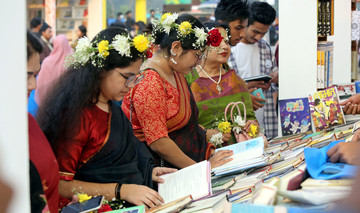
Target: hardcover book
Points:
(325, 109)
(295, 116)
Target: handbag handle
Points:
(232, 109)
(226, 109)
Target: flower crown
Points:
(167, 22)
(86, 50)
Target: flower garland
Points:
(237, 127)
(167, 22)
(86, 51)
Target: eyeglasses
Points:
(131, 80)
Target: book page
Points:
(193, 180)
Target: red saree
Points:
(161, 110)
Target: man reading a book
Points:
(253, 57)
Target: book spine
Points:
(319, 17)
(325, 68)
(322, 68)
(328, 17)
(331, 60)
(318, 70)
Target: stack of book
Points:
(325, 52)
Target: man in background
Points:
(152, 16)
(35, 25)
(235, 13)
(253, 57)
(46, 35)
(130, 22)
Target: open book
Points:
(247, 154)
(193, 180)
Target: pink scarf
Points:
(52, 67)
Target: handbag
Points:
(240, 134)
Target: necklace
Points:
(218, 87)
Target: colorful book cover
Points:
(295, 116)
(325, 109)
(346, 90)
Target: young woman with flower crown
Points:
(92, 139)
(161, 107)
(214, 85)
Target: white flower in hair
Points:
(122, 45)
(239, 120)
(201, 36)
(167, 20)
(83, 51)
(217, 139)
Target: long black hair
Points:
(59, 116)
(165, 40)
(33, 44)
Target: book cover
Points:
(345, 91)
(295, 116)
(325, 109)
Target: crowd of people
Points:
(174, 92)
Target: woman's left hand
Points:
(157, 171)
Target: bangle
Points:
(117, 190)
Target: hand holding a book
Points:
(258, 84)
(140, 195)
(345, 152)
(256, 100)
(158, 171)
(352, 105)
(221, 157)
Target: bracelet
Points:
(117, 190)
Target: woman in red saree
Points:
(162, 108)
(92, 139)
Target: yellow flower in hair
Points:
(253, 131)
(141, 43)
(163, 17)
(224, 127)
(103, 48)
(83, 197)
(185, 28)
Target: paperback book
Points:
(295, 116)
(325, 109)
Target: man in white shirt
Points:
(253, 57)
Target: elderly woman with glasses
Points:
(161, 107)
(91, 137)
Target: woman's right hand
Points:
(221, 157)
(352, 105)
(140, 195)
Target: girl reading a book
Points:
(92, 139)
(161, 107)
(214, 85)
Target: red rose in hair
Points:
(149, 52)
(214, 38)
(105, 208)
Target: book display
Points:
(70, 14)
(281, 183)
